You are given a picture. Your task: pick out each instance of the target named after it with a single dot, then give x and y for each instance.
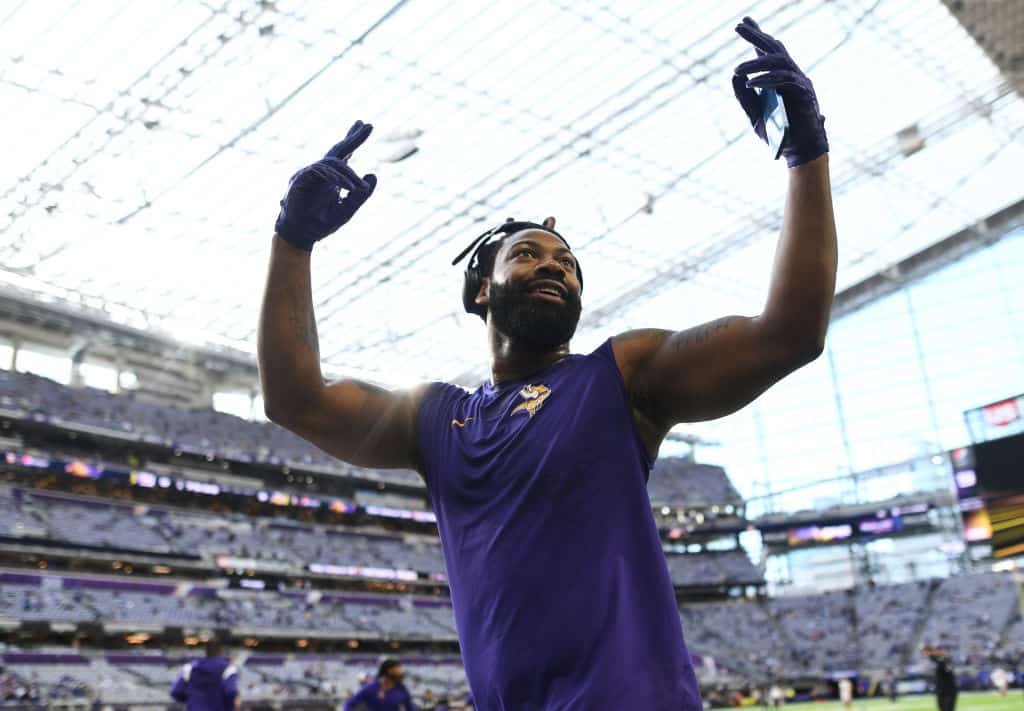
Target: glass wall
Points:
(49, 364)
(99, 375)
(233, 403)
(885, 561)
(891, 387)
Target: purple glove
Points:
(806, 140)
(324, 196)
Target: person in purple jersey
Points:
(561, 593)
(385, 693)
(209, 684)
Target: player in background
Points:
(1001, 681)
(945, 677)
(385, 693)
(558, 580)
(890, 685)
(209, 684)
(846, 693)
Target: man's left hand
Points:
(777, 70)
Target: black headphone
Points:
(483, 251)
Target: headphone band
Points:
(509, 226)
(473, 276)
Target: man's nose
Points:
(551, 265)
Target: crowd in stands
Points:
(55, 674)
(122, 525)
(821, 630)
(810, 636)
(713, 568)
(1012, 646)
(47, 686)
(205, 431)
(675, 480)
(200, 431)
(102, 600)
(871, 628)
(970, 614)
(107, 523)
(887, 618)
(739, 635)
(796, 636)
(15, 687)
(976, 618)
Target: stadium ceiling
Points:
(147, 146)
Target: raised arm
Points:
(355, 421)
(359, 701)
(716, 368)
(179, 691)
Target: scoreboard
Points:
(885, 522)
(989, 480)
(996, 420)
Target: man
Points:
(386, 693)
(890, 685)
(945, 677)
(209, 684)
(846, 693)
(560, 589)
(1001, 680)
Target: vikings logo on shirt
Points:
(533, 399)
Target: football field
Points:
(967, 701)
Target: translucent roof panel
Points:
(148, 145)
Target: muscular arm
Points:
(179, 692)
(716, 368)
(358, 701)
(354, 421)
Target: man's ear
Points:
(549, 222)
(481, 295)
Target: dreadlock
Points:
(482, 252)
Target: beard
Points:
(534, 323)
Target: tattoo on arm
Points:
(643, 334)
(371, 389)
(703, 333)
(303, 323)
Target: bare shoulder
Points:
(634, 348)
(706, 371)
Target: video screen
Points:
(819, 534)
(991, 493)
(995, 420)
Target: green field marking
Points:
(967, 701)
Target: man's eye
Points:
(568, 262)
(524, 253)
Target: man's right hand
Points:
(356, 422)
(325, 195)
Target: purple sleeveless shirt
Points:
(561, 591)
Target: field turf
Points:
(967, 701)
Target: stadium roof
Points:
(147, 145)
